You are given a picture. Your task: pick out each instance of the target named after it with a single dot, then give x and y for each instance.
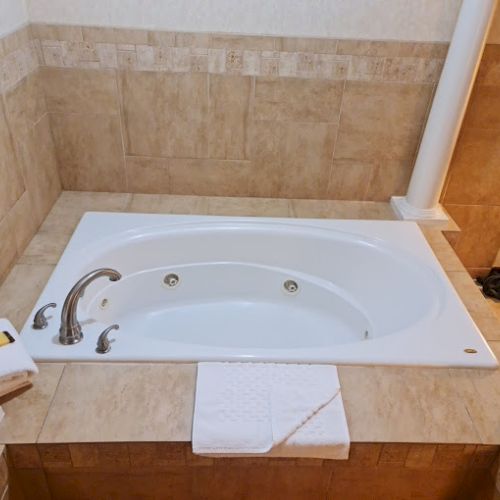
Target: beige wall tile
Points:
(219, 41)
(483, 107)
(317, 45)
(8, 249)
(178, 128)
(23, 222)
(264, 151)
(165, 418)
(306, 153)
(210, 177)
(474, 177)
(71, 90)
(11, 185)
(25, 414)
(15, 40)
(477, 223)
(389, 178)
(114, 35)
(25, 106)
(57, 32)
(40, 168)
(90, 152)
(300, 100)
(381, 121)
(350, 179)
(392, 48)
(147, 175)
(229, 114)
(489, 69)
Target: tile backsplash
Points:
(122, 110)
(29, 178)
(226, 115)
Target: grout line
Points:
(51, 403)
(122, 126)
(330, 177)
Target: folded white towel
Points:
(280, 410)
(16, 365)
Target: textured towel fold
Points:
(280, 410)
(16, 365)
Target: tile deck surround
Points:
(154, 402)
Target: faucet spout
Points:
(70, 331)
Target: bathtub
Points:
(198, 288)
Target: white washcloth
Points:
(16, 365)
(281, 410)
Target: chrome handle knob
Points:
(103, 344)
(40, 321)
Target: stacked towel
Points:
(280, 410)
(16, 365)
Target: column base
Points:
(405, 211)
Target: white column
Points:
(447, 112)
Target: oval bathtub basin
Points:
(287, 290)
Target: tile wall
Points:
(170, 470)
(472, 192)
(220, 115)
(29, 178)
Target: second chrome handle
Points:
(103, 343)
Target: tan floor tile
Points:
(482, 398)
(250, 207)
(476, 304)
(45, 248)
(166, 393)
(20, 291)
(168, 204)
(395, 404)
(329, 209)
(71, 205)
(444, 252)
(25, 414)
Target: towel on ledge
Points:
(280, 410)
(16, 365)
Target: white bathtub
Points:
(369, 292)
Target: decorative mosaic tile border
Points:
(19, 56)
(139, 50)
(22, 52)
(69, 54)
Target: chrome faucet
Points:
(70, 331)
